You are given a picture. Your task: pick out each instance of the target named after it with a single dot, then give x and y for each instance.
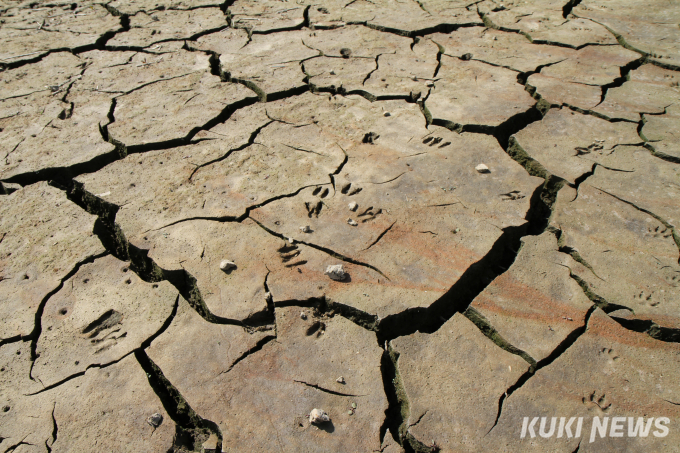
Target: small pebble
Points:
(155, 420)
(306, 229)
(353, 206)
(466, 57)
(387, 114)
(481, 168)
(318, 416)
(303, 315)
(352, 222)
(336, 272)
(226, 265)
(340, 380)
(345, 52)
(291, 240)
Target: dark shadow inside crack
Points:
(191, 429)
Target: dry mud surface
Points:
(500, 181)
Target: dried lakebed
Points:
(358, 226)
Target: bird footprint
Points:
(646, 299)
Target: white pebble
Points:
(481, 168)
(352, 222)
(340, 380)
(305, 229)
(226, 265)
(336, 272)
(318, 416)
(353, 206)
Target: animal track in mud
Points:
(346, 189)
(645, 298)
(321, 192)
(108, 326)
(289, 254)
(370, 137)
(597, 146)
(673, 278)
(370, 212)
(364, 214)
(511, 196)
(106, 331)
(659, 231)
(610, 354)
(317, 328)
(313, 209)
(432, 141)
(598, 405)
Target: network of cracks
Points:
(498, 180)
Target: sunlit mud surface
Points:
(499, 182)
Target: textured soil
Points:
(499, 180)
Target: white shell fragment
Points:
(318, 416)
(353, 206)
(336, 272)
(305, 229)
(226, 265)
(481, 168)
(352, 222)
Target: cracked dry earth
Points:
(145, 142)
